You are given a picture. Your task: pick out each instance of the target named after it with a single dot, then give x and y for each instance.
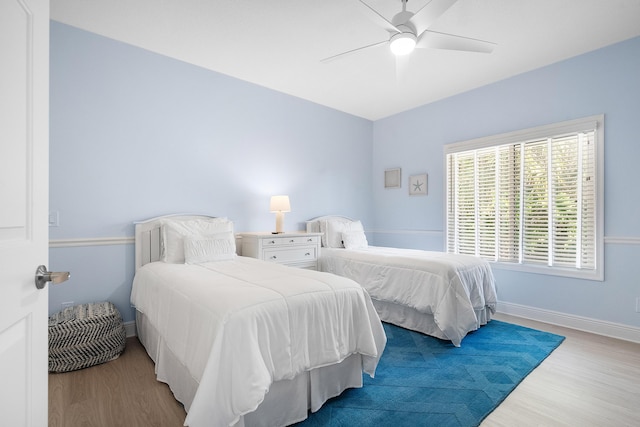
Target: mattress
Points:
(240, 325)
(457, 290)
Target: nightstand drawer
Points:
(295, 249)
(291, 255)
(294, 240)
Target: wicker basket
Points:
(85, 335)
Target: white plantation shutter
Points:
(508, 188)
(587, 216)
(531, 201)
(535, 203)
(566, 199)
(464, 204)
(486, 203)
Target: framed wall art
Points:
(392, 178)
(418, 185)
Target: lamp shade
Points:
(280, 204)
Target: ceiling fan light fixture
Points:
(402, 43)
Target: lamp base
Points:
(279, 222)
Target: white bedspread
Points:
(238, 326)
(450, 287)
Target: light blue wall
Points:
(134, 135)
(604, 81)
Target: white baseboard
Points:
(586, 324)
(130, 328)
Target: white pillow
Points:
(174, 232)
(334, 230)
(313, 226)
(354, 240)
(216, 247)
(323, 229)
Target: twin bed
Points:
(438, 294)
(246, 342)
(242, 341)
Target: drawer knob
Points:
(273, 257)
(273, 242)
(309, 239)
(307, 254)
(291, 241)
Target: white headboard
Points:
(313, 225)
(149, 237)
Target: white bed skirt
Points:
(410, 318)
(287, 402)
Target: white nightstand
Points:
(296, 249)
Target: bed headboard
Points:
(313, 225)
(148, 237)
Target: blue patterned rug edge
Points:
(560, 341)
(422, 380)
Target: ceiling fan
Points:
(408, 30)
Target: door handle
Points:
(43, 276)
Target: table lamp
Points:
(279, 205)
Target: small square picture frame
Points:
(392, 178)
(418, 184)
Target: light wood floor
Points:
(123, 392)
(589, 380)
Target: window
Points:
(530, 200)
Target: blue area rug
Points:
(424, 381)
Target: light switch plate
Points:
(54, 219)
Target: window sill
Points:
(596, 275)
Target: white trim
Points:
(610, 240)
(130, 329)
(437, 233)
(622, 240)
(545, 269)
(95, 241)
(586, 324)
(102, 241)
(524, 135)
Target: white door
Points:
(24, 199)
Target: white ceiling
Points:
(279, 43)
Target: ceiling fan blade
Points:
(349, 52)
(436, 40)
(378, 19)
(426, 16)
